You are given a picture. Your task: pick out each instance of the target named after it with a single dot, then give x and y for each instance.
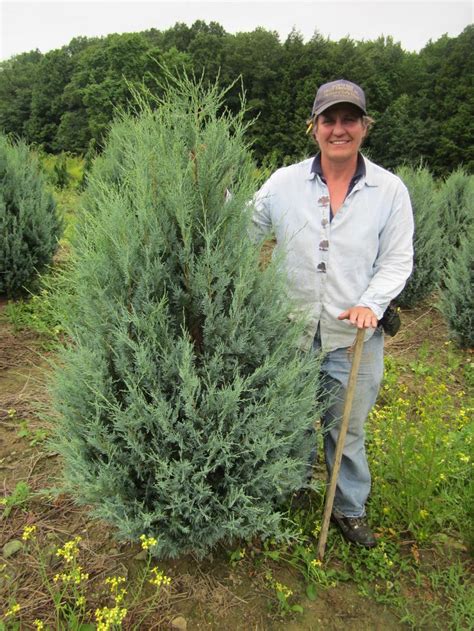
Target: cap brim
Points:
(331, 103)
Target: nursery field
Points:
(155, 407)
(419, 576)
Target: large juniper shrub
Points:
(457, 293)
(185, 405)
(29, 225)
(455, 207)
(427, 241)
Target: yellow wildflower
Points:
(423, 513)
(283, 589)
(159, 578)
(316, 563)
(114, 582)
(76, 576)
(70, 550)
(388, 561)
(28, 532)
(38, 624)
(148, 542)
(119, 596)
(13, 610)
(108, 617)
(81, 601)
(316, 530)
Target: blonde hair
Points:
(368, 122)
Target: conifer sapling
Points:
(29, 225)
(185, 404)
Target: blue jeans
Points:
(353, 486)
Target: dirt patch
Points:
(23, 397)
(342, 608)
(418, 324)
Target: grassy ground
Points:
(64, 570)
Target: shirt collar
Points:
(360, 171)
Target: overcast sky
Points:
(26, 25)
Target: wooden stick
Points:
(358, 347)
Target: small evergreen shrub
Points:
(457, 293)
(427, 240)
(185, 405)
(29, 225)
(62, 177)
(455, 206)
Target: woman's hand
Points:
(361, 317)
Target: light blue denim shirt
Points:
(362, 257)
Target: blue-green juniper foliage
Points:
(428, 243)
(455, 207)
(29, 225)
(185, 405)
(456, 300)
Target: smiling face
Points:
(339, 132)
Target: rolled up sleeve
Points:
(262, 225)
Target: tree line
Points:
(423, 103)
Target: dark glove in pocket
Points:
(391, 321)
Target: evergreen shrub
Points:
(185, 405)
(29, 225)
(61, 175)
(427, 240)
(457, 293)
(455, 206)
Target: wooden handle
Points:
(358, 347)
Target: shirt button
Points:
(324, 222)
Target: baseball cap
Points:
(340, 91)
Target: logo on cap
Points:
(340, 91)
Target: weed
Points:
(18, 498)
(237, 555)
(67, 202)
(69, 590)
(420, 446)
(452, 584)
(39, 313)
(74, 166)
(377, 571)
(33, 314)
(450, 604)
(34, 436)
(419, 452)
(284, 596)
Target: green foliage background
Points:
(423, 102)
